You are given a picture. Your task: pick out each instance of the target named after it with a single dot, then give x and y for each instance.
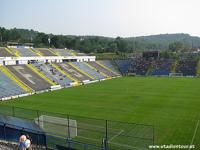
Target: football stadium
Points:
(68, 99)
(99, 75)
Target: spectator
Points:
(22, 141)
(28, 143)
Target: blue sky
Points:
(102, 17)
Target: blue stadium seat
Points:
(89, 70)
(8, 87)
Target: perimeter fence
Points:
(81, 133)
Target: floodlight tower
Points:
(134, 46)
(1, 37)
(192, 45)
(49, 41)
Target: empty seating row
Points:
(62, 52)
(53, 74)
(34, 81)
(24, 52)
(45, 52)
(27, 52)
(90, 71)
(102, 69)
(74, 73)
(123, 65)
(8, 87)
(28, 77)
(5, 53)
(111, 65)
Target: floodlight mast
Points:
(192, 45)
(49, 41)
(1, 37)
(31, 38)
(134, 46)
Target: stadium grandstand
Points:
(30, 70)
(99, 75)
(25, 70)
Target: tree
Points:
(2, 34)
(58, 41)
(121, 44)
(176, 46)
(15, 35)
(101, 44)
(41, 40)
(112, 47)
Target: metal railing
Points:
(92, 134)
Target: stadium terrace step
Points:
(103, 74)
(25, 52)
(5, 53)
(15, 79)
(76, 74)
(81, 71)
(36, 52)
(54, 53)
(64, 73)
(15, 52)
(29, 77)
(102, 69)
(40, 74)
(103, 66)
(50, 72)
(45, 52)
(62, 52)
(73, 53)
(9, 51)
(111, 65)
(8, 87)
(89, 70)
(123, 65)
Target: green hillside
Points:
(162, 41)
(98, 44)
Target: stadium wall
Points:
(58, 59)
(53, 88)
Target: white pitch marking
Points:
(116, 135)
(124, 145)
(195, 132)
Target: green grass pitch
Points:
(172, 105)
